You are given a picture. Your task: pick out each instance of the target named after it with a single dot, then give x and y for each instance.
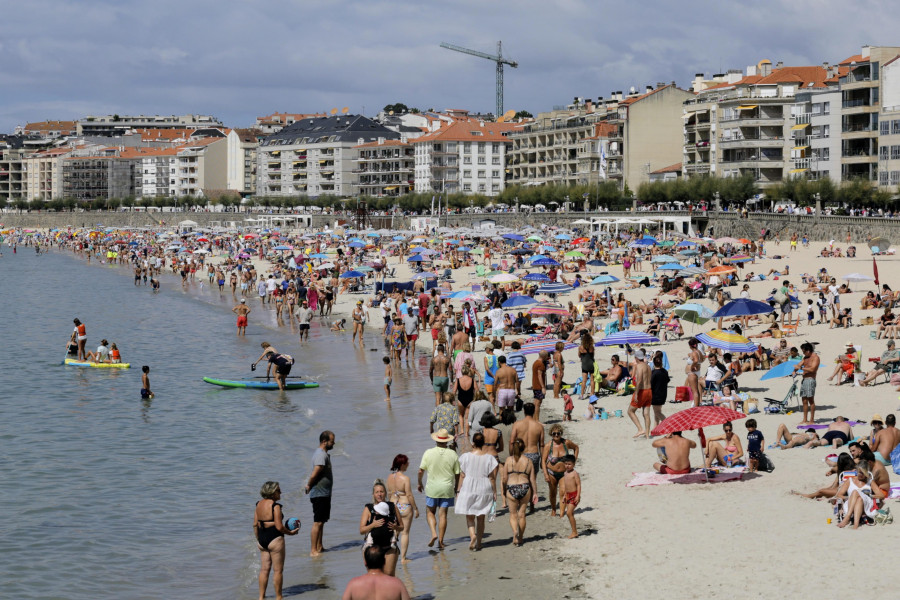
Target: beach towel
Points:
(695, 476)
(825, 425)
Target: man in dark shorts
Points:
(304, 316)
(318, 487)
(282, 363)
(539, 381)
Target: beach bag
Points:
(895, 379)
(682, 394)
(766, 464)
(895, 459)
(520, 404)
(780, 298)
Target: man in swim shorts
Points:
(677, 451)
(531, 432)
(505, 380)
(643, 395)
(242, 310)
(884, 439)
(838, 434)
(438, 372)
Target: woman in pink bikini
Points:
(729, 448)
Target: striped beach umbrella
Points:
(503, 278)
(620, 338)
(555, 288)
(727, 341)
(545, 309)
(548, 345)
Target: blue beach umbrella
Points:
(536, 277)
(372, 234)
(604, 279)
(418, 258)
(354, 245)
(517, 301)
(670, 267)
(727, 341)
(743, 307)
(319, 255)
(425, 275)
(513, 237)
(398, 238)
(562, 236)
(596, 263)
(418, 249)
(689, 252)
(545, 261)
(352, 275)
(781, 370)
(643, 242)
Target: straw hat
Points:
(442, 435)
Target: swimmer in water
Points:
(146, 394)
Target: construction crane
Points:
(497, 59)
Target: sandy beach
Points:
(746, 539)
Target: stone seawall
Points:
(717, 223)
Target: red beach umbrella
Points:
(875, 268)
(697, 417)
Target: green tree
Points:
(523, 114)
(398, 108)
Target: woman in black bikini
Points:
(269, 530)
(554, 467)
(493, 443)
(465, 387)
(518, 483)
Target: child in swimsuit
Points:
(388, 373)
(570, 486)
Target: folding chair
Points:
(789, 329)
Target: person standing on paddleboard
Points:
(282, 362)
(80, 336)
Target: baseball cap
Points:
(640, 354)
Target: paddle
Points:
(286, 377)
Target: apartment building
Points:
(98, 178)
(561, 146)
(747, 124)
(13, 150)
(315, 156)
(648, 134)
(466, 157)
(43, 173)
(386, 168)
(815, 133)
(242, 148)
(889, 125)
(51, 130)
(112, 125)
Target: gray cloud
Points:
(237, 59)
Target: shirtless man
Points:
(375, 584)
(786, 439)
(810, 367)
(613, 374)
(642, 396)
(531, 432)
(459, 339)
(438, 372)
(241, 310)
(838, 434)
(505, 380)
(678, 454)
(436, 323)
(885, 440)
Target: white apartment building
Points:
(386, 168)
(815, 135)
(43, 174)
(315, 156)
(466, 157)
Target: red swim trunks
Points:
(667, 471)
(570, 498)
(641, 398)
(242, 321)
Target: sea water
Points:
(105, 495)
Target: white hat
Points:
(243, 300)
(383, 509)
(640, 354)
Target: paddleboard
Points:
(260, 385)
(76, 363)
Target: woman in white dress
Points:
(475, 494)
(860, 494)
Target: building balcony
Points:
(854, 157)
(762, 141)
(854, 132)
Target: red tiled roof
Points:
(676, 168)
(463, 131)
(634, 99)
(855, 58)
(45, 126)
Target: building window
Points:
(467, 148)
(895, 126)
(481, 160)
(495, 173)
(467, 160)
(826, 153)
(481, 174)
(883, 177)
(895, 152)
(467, 174)
(495, 160)
(481, 187)
(495, 187)
(467, 187)
(480, 147)
(895, 177)
(885, 127)
(883, 153)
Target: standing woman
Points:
(465, 387)
(493, 442)
(312, 296)
(381, 525)
(692, 382)
(519, 487)
(269, 530)
(559, 368)
(586, 354)
(626, 266)
(475, 492)
(400, 492)
(552, 459)
(621, 307)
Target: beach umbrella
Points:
(596, 263)
(352, 275)
(856, 277)
(689, 252)
(198, 239)
(418, 249)
(398, 238)
(425, 275)
(620, 338)
(691, 271)
(643, 242)
(661, 258)
(693, 312)
(604, 279)
(427, 252)
(739, 258)
(673, 266)
(364, 269)
(478, 251)
(519, 251)
(727, 341)
(503, 278)
(562, 236)
(517, 301)
(555, 288)
(463, 249)
(686, 244)
(418, 258)
(781, 370)
(282, 248)
(319, 255)
(372, 234)
(548, 345)
(545, 261)
(574, 254)
(728, 240)
(353, 245)
(325, 265)
(452, 242)
(536, 277)
(534, 238)
(513, 237)
(545, 309)
(743, 307)
(879, 244)
(721, 270)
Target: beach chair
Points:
(891, 369)
(774, 406)
(791, 329)
(480, 271)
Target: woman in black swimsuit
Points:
(554, 467)
(586, 353)
(381, 524)
(269, 530)
(465, 387)
(519, 487)
(493, 443)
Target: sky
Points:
(239, 59)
